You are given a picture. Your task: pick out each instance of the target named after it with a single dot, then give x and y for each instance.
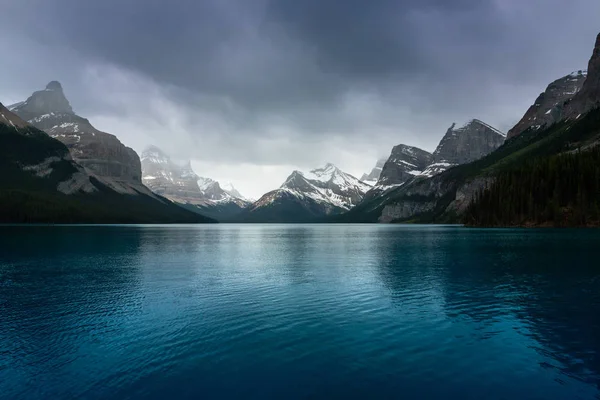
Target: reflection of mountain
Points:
(507, 292)
(409, 264)
(524, 277)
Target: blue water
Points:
(299, 311)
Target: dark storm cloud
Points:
(267, 53)
(299, 81)
(280, 52)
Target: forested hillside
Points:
(561, 190)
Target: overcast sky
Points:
(252, 89)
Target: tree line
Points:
(560, 190)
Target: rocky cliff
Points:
(468, 143)
(27, 150)
(404, 163)
(588, 97)
(549, 106)
(40, 182)
(100, 153)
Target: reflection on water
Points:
(298, 311)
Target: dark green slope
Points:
(560, 190)
(440, 191)
(26, 197)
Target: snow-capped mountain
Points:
(307, 196)
(180, 184)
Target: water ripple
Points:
(298, 312)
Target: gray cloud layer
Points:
(292, 83)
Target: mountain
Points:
(458, 146)
(100, 153)
(468, 143)
(548, 107)
(588, 98)
(181, 185)
(40, 182)
(542, 176)
(307, 197)
(404, 163)
(372, 177)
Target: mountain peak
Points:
(468, 143)
(47, 101)
(54, 85)
(549, 106)
(403, 164)
(588, 97)
(153, 154)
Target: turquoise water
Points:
(298, 311)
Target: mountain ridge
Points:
(40, 182)
(307, 197)
(101, 154)
(183, 186)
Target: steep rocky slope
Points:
(404, 163)
(468, 143)
(588, 98)
(548, 107)
(40, 182)
(100, 153)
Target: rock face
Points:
(471, 142)
(415, 173)
(308, 196)
(549, 106)
(404, 163)
(100, 153)
(588, 97)
(181, 185)
(31, 151)
(10, 119)
(372, 177)
(40, 182)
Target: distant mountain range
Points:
(180, 184)
(56, 167)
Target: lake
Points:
(298, 312)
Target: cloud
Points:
(282, 84)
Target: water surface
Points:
(298, 311)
